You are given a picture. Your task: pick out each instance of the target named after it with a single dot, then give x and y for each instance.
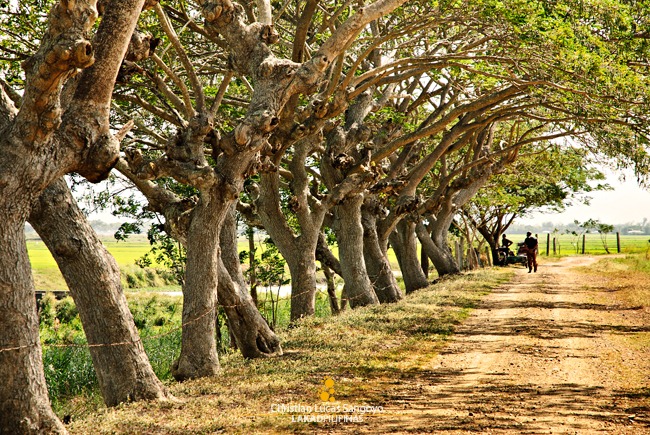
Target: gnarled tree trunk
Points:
(24, 403)
(93, 277)
(439, 253)
(299, 251)
(252, 334)
(37, 146)
(349, 234)
(198, 356)
(405, 245)
(376, 258)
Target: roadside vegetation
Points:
(626, 280)
(378, 344)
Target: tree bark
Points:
(299, 251)
(252, 334)
(93, 277)
(438, 251)
(37, 146)
(349, 234)
(24, 402)
(198, 356)
(405, 245)
(376, 258)
(458, 194)
(331, 290)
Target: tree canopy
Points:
(377, 121)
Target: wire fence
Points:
(156, 336)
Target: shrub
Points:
(47, 310)
(66, 310)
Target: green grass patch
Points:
(360, 350)
(71, 380)
(570, 245)
(48, 277)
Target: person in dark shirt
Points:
(531, 251)
(505, 242)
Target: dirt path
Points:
(543, 354)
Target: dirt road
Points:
(546, 353)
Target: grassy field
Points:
(46, 271)
(48, 277)
(567, 244)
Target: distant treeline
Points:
(99, 226)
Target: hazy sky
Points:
(627, 202)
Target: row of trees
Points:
(377, 122)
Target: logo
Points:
(326, 392)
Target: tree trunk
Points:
(24, 403)
(325, 256)
(492, 241)
(252, 334)
(376, 258)
(198, 356)
(93, 277)
(299, 251)
(251, 262)
(405, 245)
(440, 254)
(303, 284)
(349, 234)
(331, 290)
(424, 262)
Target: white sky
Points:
(626, 203)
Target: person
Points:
(503, 251)
(531, 251)
(505, 243)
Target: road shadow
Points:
(494, 407)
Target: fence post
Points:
(584, 236)
(618, 242)
(554, 247)
(548, 243)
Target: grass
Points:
(566, 244)
(379, 343)
(46, 272)
(629, 276)
(626, 281)
(68, 367)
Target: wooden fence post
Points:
(584, 236)
(618, 242)
(554, 247)
(548, 243)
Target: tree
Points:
(93, 277)
(217, 179)
(591, 225)
(544, 177)
(40, 143)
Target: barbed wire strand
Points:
(154, 337)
